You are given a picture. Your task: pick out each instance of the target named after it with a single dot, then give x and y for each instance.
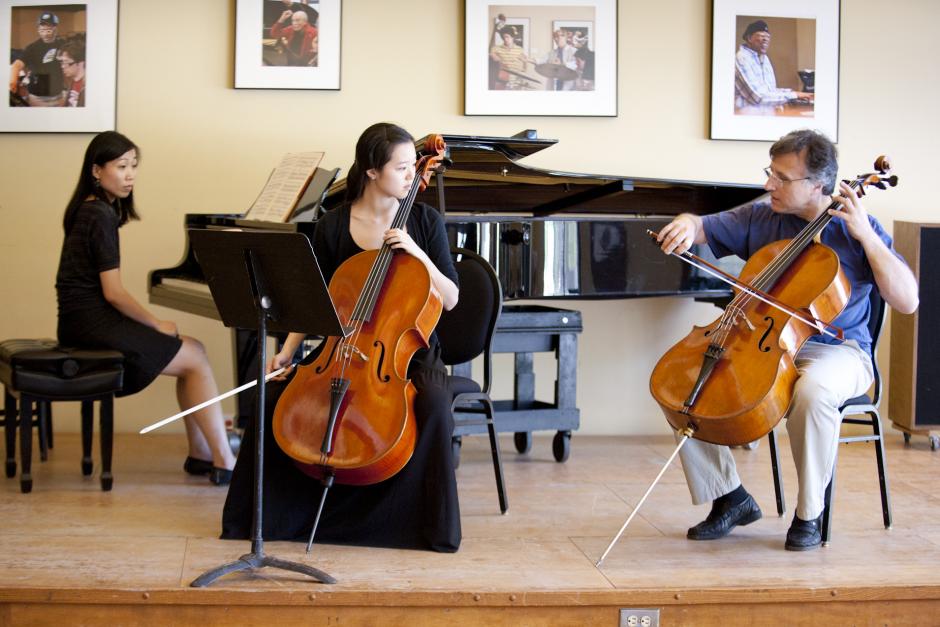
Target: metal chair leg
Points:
(882, 471)
(827, 504)
(497, 461)
(778, 478)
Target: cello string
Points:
(368, 297)
(799, 242)
(754, 295)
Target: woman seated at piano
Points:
(416, 508)
(95, 311)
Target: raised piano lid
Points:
(483, 175)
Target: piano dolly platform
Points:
(524, 330)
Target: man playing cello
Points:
(801, 179)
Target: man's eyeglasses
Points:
(782, 181)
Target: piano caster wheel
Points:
(561, 446)
(523, 441)
(934, 442)
(87, 466)
(106, 482)
(11, 469)
(455, 443)
(907, 439)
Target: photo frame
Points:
(537, 76)
(268, 53)
(64, 56)
(775, 68)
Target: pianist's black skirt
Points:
(415, 509)
(146, 351)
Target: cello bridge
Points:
(349, 350)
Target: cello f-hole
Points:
(322, 368)
(770, 327)
(384, 378)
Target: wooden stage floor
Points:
(71, 554)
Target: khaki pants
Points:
(830, 374)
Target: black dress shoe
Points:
(725, 517)
(804, 535)
(220, 476)
(196, 466)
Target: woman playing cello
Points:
(800, 179)
(417, 507)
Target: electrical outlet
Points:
(632, 617)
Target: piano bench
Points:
(38, 372)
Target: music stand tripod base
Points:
(256, 560)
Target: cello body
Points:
(750, 387)
(375, 431)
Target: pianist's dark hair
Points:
(373, 150)
(105, 147)
(822, 158)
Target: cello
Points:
(349, 413)
(732, 381)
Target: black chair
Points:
(38, 372)
(863, 405)
(464, 333)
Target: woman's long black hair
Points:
(105, 147)
(373, 150)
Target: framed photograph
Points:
(287, 44)
(775, 68)
(63, 66)
(541, 57)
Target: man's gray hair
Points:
(822, 158)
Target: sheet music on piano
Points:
(285, 187)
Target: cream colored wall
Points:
(209, 148)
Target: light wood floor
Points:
(127, 557)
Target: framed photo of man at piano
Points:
(287, 44)
(63, 66)
(540, 57)
(775, 68)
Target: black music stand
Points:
(270, 282)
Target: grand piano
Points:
(548, 234)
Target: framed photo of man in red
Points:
(63, 60)
(775, 68)
(287, 44)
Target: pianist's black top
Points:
(415, 509)
(91, 247)
(86, 319)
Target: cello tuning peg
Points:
(891, 180)
(883, 164)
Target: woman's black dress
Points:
(417, 508)
(86, 319)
